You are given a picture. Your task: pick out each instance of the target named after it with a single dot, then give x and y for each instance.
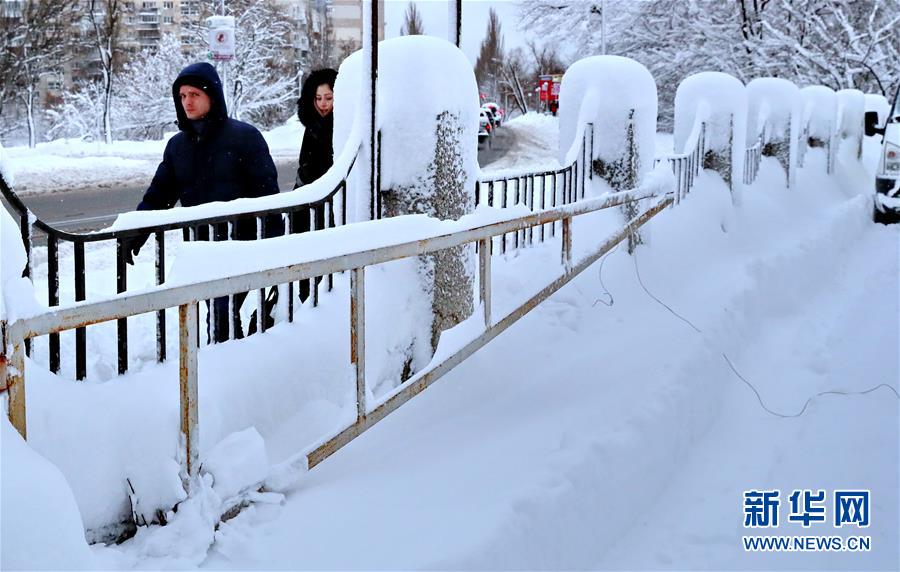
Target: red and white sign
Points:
(221, 38)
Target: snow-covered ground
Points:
(69, 164)
(613, 427)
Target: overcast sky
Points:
(435, 18)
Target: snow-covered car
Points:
(496, 112)
(485, 128)
(887, 177)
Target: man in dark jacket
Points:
(212, 158)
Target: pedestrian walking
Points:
(314, 109)
(212, 158)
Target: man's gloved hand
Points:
(133, 246)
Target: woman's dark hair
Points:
(306, 105)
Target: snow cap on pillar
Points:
(722, 99)
(419, 77)
(603, 90)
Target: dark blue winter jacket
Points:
(212, 159)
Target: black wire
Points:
(734, 369)
(602, 285)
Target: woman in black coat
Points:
(314, 109)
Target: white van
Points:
(887, 177)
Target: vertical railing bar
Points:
(122, 323)
(503, 202)
(314, 281)
(329, 223)
(80, 333)
(160, 278)
(189, 395)
(289, 229)
(358, 337)
(261, 294)
(15, 383)
(53, 295)
(26, 229)
(543, 201)
(567, 243)
(484, 279)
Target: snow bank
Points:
(604, 90)
(17, 298)
(820, 107)
(41, 526)
(5, 171)
(851, 108)
(237, 463)
(68, 164)
(724, 99)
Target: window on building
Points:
(168, 5)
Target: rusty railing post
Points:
(484, 278)
(187, 336)
(358, 337)
(567, 243)
(12, 366)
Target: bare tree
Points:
(259, 80)
(106, 19)
(35, 43)
(412, 25)
(489, 65)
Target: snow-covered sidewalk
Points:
(70, 164)
(600, 431)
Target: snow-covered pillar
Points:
(851, 117)
(428, 119)
(817, 123)
(725, 98)
(774, 114)
(613, 100)
(430, 158)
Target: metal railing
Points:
(325, 212)
(354, 258)
(539, 190)
(752, 158)
(686, 166)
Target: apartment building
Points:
(347, 22)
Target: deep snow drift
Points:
(601, 431)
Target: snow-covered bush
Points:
(774, 113)
(723, 99)
(851, 111)
(614, 94)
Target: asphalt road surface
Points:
(499, 146)
(93, 209)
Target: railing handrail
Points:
(22, 210)
(132, 303)
(484, 178)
